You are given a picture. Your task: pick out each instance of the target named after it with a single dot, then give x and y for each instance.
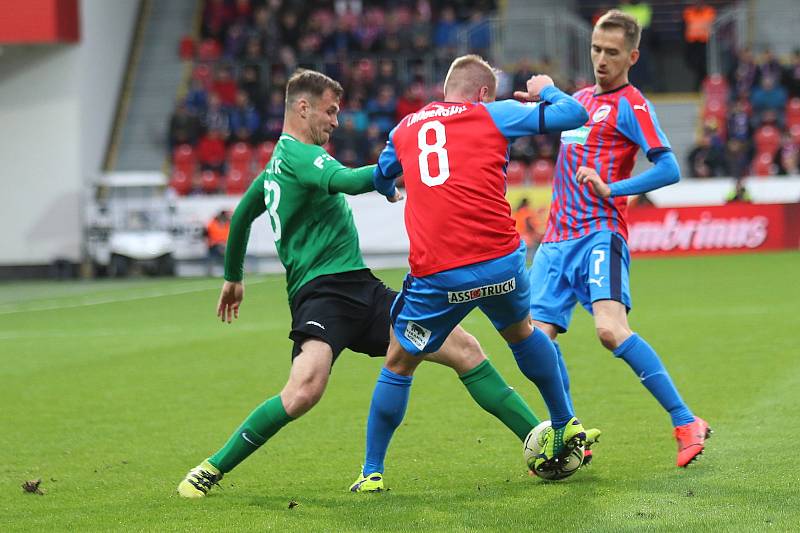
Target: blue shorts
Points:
(428, 308)
(591, 268)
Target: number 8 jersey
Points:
(453, 157)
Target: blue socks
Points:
(644, 361)
(386, 411)
(562, 366)
(538, 360)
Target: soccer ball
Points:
(532, 446)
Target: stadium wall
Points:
(57, 105)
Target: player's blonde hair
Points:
(467, 74)
(616, 19)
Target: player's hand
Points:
(535, 85)
(230, 298)
(588, 175)
(398, 196)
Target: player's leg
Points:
(508, 307)
(609, 293)
(386, 412)
(552, 298)
(307, 380)
(463, 353)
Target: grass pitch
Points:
(111, 391)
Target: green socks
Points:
(257, 428)
(488, 388)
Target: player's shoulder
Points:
(633, 96)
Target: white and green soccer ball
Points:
(532, 447)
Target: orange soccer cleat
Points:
(691, 439)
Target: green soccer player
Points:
(336, 302)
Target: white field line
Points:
(12, 309)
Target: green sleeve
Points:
(250, 207)
(321, 171)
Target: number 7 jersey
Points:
(453, 158)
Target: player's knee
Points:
(472, 351)
(610, 336)
(300, 397)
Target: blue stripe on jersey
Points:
(598, 167)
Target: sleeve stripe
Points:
(542, 126)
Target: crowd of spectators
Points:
(751, 119)
(389, 56)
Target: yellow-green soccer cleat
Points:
(592, 437)
(370, 483)
(557, 444)
(199, 480)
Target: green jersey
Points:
(301, 191)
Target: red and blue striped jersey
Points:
(620, 122)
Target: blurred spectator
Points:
(211, 151)
(290, 29)
(381, 109)
(522, 149)
(197, 98)
(375, 141)
(738, 156)
(698, 18)
(739, 121)
(224, 85)
(267, 30)
(250, 82)
(235, 42)
(216, 117)
(244, 119)
(743, 74)
(707, 159)
(387, 74)
(217, 231)
(739, 193)
(768, 96)
(348, 143)
(412, 100)
(791, 75)
(479, 31)
(273, 116)
(445, 34)
(420, 31)
(217, 15)
(786, 158)
(768, 66)
(184, 127)
(355, 111)
(525, 222)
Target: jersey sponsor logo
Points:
(640, 107)
(601, 113)
(418, 335)
(576, 136)
(315, 323)
(437, 111)
(320, 161)
(495, 289)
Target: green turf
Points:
(111, 391)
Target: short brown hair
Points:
(616, 19)
(311, 83)
(469, 73)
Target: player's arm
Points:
(639, 123)
(387, 171)
(321, 171)
(250, 207)
(555, 110)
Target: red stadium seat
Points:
(240, 157)
(184, 159)
(716, 109)
(181, 182)
(763, 164)
(515, 173)
(264, 154)
(716, 87)
(186, 48)
(209, 50)
(542, 171)
(767, 139)
(236, 182)
(793, 113)
(209, 182)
